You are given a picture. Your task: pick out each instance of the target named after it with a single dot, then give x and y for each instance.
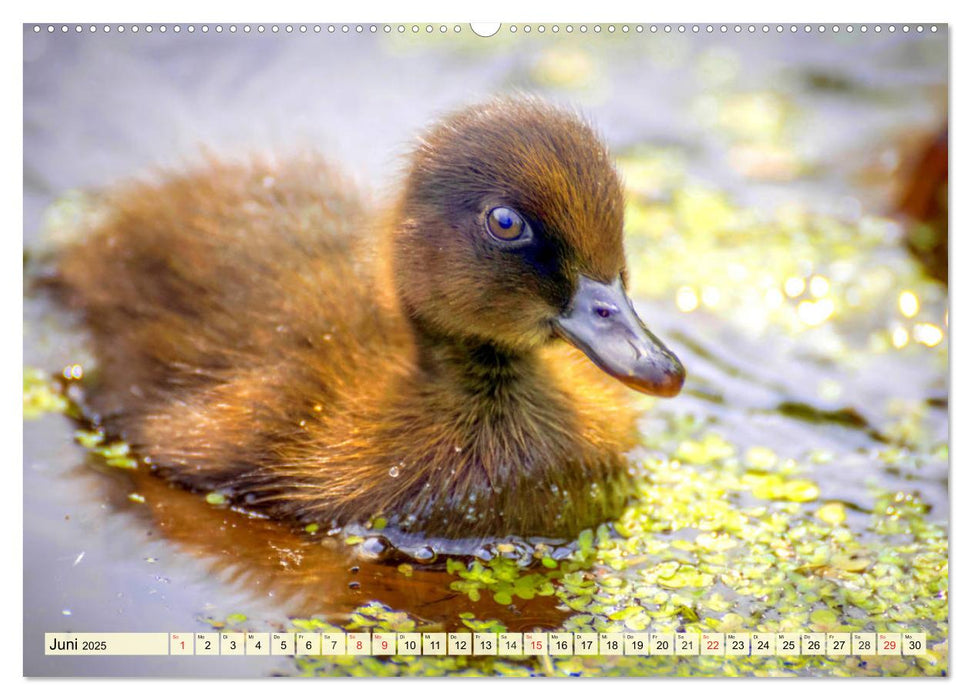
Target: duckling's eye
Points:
(506, 224)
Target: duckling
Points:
(263, 333)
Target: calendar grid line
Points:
(516, 644)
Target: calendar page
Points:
(513, 349)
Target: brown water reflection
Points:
(307, 576)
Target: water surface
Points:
(810, 442)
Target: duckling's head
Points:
(510, 232)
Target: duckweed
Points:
(832, 513)
(502, 577)
(116, 454)
(685, 557)
(42, 395)
(842, 285)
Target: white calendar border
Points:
(386, 10)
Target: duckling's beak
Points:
(601, 322)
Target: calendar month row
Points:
(487, 644)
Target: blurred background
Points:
(786, 232)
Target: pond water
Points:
(800, 482)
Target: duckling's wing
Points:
(232, 268)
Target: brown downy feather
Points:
(261, 332)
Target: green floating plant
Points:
(687, 557)
(41, 394)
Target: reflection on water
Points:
(305, 576)
(800, 482)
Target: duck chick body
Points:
(262, 333)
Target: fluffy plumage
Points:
(261, 331)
